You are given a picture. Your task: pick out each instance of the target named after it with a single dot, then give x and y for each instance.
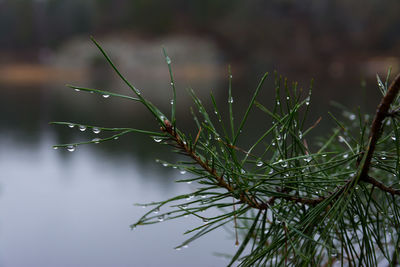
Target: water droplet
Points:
(189, 197)
(157, 139)
(96, 130)
(156, 211)
(82, 128)
(189, 182)
(323, 155)
(184, 206)
(71, 125)
(341, 139)
(77, 90)
(287, 98)
(106, 96)
(71, 148)
(283, 164)
(185, 246)
(393, 138)
(182, 171)
(116, 138)
(308, 101)
(300, 135)
(278, 103)
(171, 101)
(216, 112)
(352, 117)
(271, 171)
(160, 218)
(334, 253)
(96, 140)
(307, 159)
(230, 100)
(273, 143)
(345, 156)
(172, 83)
(230, 76)
(205, 220)
(138, 91)
(165, 164)
(259, 163)
(177, 249)
(278, 137)
(242, 171)
(55, 147)
(168, 60)
(383, 157)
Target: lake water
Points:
(74, 209)
(59, 208)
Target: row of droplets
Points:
(103, 95)
(82, 128)
(164, 164)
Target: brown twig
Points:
(243, 197)
(197, 138)
(235, 224)
(220, 180)
(376, 128)
(381, 186)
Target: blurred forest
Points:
(342, 44)
(330, 36)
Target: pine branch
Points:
(295, 201)
(244, 198)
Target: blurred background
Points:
(74, 209)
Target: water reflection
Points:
(74, 209)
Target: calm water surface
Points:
(74, 209)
